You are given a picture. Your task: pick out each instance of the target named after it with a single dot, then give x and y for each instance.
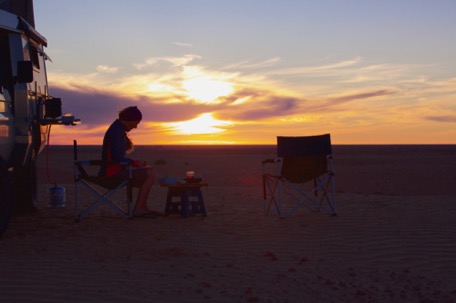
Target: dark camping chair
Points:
(102, 188)
(304, 176)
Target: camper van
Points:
(27, 111)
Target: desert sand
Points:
(393, 240)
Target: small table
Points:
(185, 199)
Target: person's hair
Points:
(131, 113)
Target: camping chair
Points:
(103, 188)
(304, 176)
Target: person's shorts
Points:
(139, 175)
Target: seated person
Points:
(116, 145)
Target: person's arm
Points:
(117, 146)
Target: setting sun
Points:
(203, 124)
(203, 87)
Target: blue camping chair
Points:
(102, 188)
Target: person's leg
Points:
(148, 176)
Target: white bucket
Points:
(57, 197)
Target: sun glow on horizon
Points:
(203, 124)
(256, 107)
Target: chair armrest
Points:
(266, 161)
(123, 163)
(126, 165)
(80, 164)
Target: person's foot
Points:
(145, 213)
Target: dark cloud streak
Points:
(272, 106)
(333, 104)
(445, 119)
(96, 107)
(377, 93)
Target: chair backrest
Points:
(301, 146)
(304, 158)
(85, 172)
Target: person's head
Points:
(130, 117)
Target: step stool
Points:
(185, 199)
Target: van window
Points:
(34, 56)
(5, 64)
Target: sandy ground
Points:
(394, 239)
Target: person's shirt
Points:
(114, 149)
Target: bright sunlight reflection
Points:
(203, 124)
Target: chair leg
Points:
(313, 200)
(273, 188)
(102, 198)
(130, 204)
(333, 197)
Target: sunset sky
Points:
(245, 71)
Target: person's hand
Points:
(140, 163)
